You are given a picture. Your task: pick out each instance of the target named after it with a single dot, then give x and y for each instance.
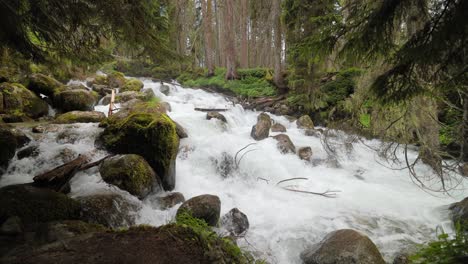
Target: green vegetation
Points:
(445, 250)
(229, 251)
(251, 83)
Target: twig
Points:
(292, 179)
(327, 194)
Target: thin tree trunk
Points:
(208, 33)
(278, 76)
(244, 48)
(229, 38)
(464, 154)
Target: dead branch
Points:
(292, 179)
(58, 177)
(93, 164)
(327, 194)
(237, 153)
(210, 109)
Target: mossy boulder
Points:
(124, 97)
(132, 85)
(116, 80)
(18, 100)
(277, 127)
(169, 244)
(99, 80)
(145, 131)
(206, 207)
(8, 146)
(305, 122)
(459, 213)
(33, 204)
(110, 210)
(130, 173)
(80, 100)
(80, 117)
(216, 115)
(343, 246)
(10, 140)
(46, 85)
(62, 230)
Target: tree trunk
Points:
(464, 153)
(244, 47)
(278, 77)
(229, 39)
(208, 33)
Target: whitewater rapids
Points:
(383, 203)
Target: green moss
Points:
(365, 120)
(130, 172)
(101, 80)
(33, 204)
(210, 240)
(40, 83)
(19, 101)
(132, 85)
(147, 132)
(80, 227)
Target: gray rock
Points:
(285, 144)
(110, 210)
(262, 129)
(305, 153)
(206, 207)
(80, 100)
(459, 212)
(278, 128)
(168, 201)
(166, 106)
(181, 133)
(31, 151)
(235, 222)
(216, 115)
(165, 89)
(343, 246)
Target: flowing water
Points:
(383, 203)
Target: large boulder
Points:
(216, 115)
(110, 210)
(130, 173)
(17, 100)
(206, 207)
(235, 222)
(132, 85)
(30, 151)
(277, 127)
(262, 129)
(81, 100)
(116, 80)
(343, 246)
(32, 204)
(285, 144)
(80, 117)
(305, 122)
(43, 84)
(62, 230)
(169, 244)
(145, 131)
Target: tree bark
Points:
(208, 33)
(244, 49)
(278, 75)
(229, 39)
(464, 153)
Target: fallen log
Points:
(57, 178)
(210, 109)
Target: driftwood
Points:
(59, 177)
(211, 109)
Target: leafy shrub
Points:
(445, 250)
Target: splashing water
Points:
(380, 202)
